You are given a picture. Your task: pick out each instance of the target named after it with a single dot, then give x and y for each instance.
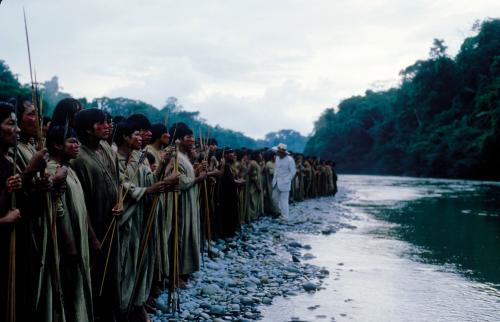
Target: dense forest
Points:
(172, 112)
(442, 121)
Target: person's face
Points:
(134, 141)
(213, 148)
(165, 139)
(28, 124)
(187, 142)
(71, 147)
(9, 131)
(281, 153)
(109, 127)
(45, 128)
(101, 130)
(145, 136)
(231, 156)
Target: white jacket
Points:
(283, 173)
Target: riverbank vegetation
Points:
(442, 121)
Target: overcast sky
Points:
(250, 65)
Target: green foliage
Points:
(9, 86)
(443, 121)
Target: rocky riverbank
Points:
(261, 263)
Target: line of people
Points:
(98, 214)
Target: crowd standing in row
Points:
(98, 214)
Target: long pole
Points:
(207, 205)
(50, 221)
(173, 299)
(11, 292)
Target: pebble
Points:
(251, 269)
(218, 309)
(210, 289)
(308, 256)
(309, 286)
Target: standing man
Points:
(189, 209)
(283, 175)
(98, 173)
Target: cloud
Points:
(287, 105)
(250, 65)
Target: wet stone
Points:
(218, 309)
(309, 286)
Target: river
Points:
(422, 250)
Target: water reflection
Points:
(424, 250)
(451, 222)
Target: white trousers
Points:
(281, 199)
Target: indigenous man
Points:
(37, 202)
(283, 175)
(160, 140)
(255, 195)
(97, 171)
(215, 172)
(227, 217)
(73, 222)
(11, 219)
(190, 212)
(137, 182)
(270, 207)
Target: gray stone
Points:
(292, 269)
(245, 300)
(309, 286)
(218, 309)
(205, 305)
(210, 289)
(235, 308)
(308, 256)
(267, 300)
(295, 244)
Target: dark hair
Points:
(122, 129)
(254, 154)
(139, 122)
(85, 120)
(157, 130)
(212, 141)
(46, 120)
(57, 135)
(6, 109)
(19, 109)
(118, 118)
(268, 155)
(151, 158)
(109, 118)
(179, 130)
(65, 112)
(240, 153)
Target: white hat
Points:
(281, 148)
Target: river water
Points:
(422, 250)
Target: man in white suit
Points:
(282, 179)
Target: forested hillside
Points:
(442, 121)
(172, 112)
